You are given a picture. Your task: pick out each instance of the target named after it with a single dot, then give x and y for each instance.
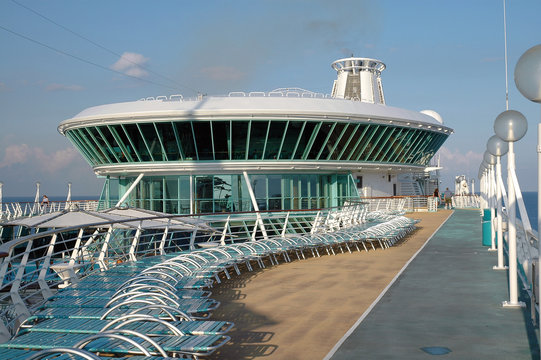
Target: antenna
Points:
(505, 44)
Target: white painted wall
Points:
(377, 184)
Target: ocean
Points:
(530, 202)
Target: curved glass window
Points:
(221, 139)
(186, 139)
(258, 135)
(169, 141)
(304, 139)
(239, 130)
(203, 140)
(257, 140)
(274, 139)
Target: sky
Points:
(447, 56)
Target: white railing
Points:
(401, 203)
(466, 201)
(34, 267)
(14, 210)
(282, 92)
(527, 239)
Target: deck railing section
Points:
(13, 210)
(466, 201)
(402, 203)
(34, 267)
(527, 239)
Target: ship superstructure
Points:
(285, 149)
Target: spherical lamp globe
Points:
(510, 126)
(528, 74)
(497, 146)
(489, 158)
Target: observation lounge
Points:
(289, 148)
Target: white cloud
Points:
(63, 87)
(15, 154)
(222, 73)
(456, 159)
(455, 162)
(38, 158)
(131, 64)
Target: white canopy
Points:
(162, 220)
(120, 218)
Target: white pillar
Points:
(68, 198)
(538, 214)
(512, 232)
(254, 203)
(499, 228)
(130, 189)
(492, 206)
(192, 208)
(36, 198)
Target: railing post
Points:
(47, 293)
(36, 206)
(500, 265)
(20, 306)
(103, 250)
(192, 238)
(222, 239)
(134, 242)
(285, 225)
(164, 237)
(513, 285)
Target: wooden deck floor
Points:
(300, 310)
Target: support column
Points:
(492, 210)
(130, 189)
(192, 209)
(254, 203)
(499, 228)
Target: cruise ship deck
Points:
(446, 301)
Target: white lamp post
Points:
(498, 148)
(483, 185)
(491, 161)
(528, 82)
(511, 126)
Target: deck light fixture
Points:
(498, 148)
(511, 126)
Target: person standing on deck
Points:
(447, 195)
(437, 196)
(44, 203)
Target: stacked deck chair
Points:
(159, 306)
(125, 311)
